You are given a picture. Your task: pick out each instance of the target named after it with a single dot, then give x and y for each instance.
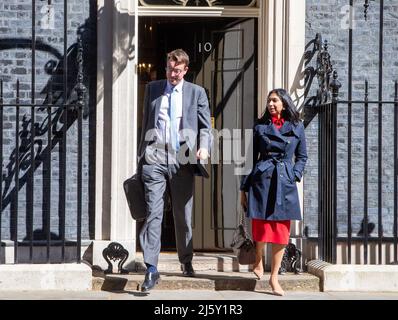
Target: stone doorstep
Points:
(214, 271)
(205, 280)
(168, 262)
(365, 278)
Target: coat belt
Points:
(274, 157)
(277, 160)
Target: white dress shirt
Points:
(163, 123)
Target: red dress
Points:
(272, 231)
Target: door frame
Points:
(202, 66)
(281, 44)
(209, 12)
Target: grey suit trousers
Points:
(180, 179)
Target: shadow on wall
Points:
(54, 121)
(304, 79)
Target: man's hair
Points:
(179, 56)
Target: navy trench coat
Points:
(271, 185)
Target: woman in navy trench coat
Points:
(279, 157)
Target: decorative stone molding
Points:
(116, 117)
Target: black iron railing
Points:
(327, 223)
(43, 130)
(367, 227)
(28, 154)
(328, 106)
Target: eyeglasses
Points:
(175, 70)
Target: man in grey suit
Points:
(176, 118)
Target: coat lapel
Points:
(186, 94)
(272, 131)
(288, 127)
(159, 95)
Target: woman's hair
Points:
(289, 113)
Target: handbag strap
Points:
(242, 221)
(241, 217)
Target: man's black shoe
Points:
(151, 279)
(187, 270)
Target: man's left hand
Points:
(202, 154)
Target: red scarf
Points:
(278, 123)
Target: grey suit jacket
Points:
(195, 114)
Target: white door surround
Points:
(281, 43)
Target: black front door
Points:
(223, 54)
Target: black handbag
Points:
(242, 245)
(135, 195)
